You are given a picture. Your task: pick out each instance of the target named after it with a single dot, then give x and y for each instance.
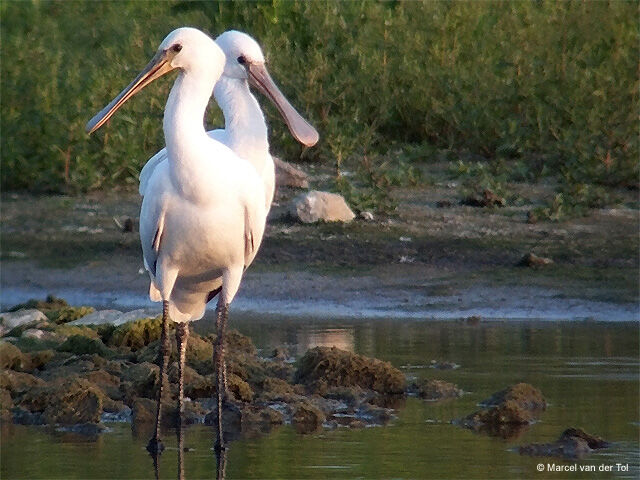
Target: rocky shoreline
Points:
(76, 369)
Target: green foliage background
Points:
(551, 87)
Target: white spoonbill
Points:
(245, 128)
(203, 211)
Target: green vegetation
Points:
(544, 89)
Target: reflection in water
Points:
(342, 338)
(587, 371)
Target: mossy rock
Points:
(276, 389)
(18, 382)
(195, 385)
(323, 367)
(239, 388)
(430, 389)
(66, 401)
(109, 384)
(68, 314)
(526, 396)
(138, 334)
(79, 344)
(507, 412)
(70, 330)
(12, 358)
(307, 417)
(39, 359)
(51, 303)
(139, 380)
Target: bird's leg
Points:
(180, 452)
(182, 336)
(155, 447)
(222, 312)
(221, 463)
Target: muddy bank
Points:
(422, 262)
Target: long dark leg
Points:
(221, 463)
(182, 336)
(222, 312)
(180, 452)
(155, 447)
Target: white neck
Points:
(244, 121)
(184, 113)
(188, 145)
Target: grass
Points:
(541, 90)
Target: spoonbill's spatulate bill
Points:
(245, 128)
(203, 212)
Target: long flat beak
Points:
(301, 129)
(158, 66)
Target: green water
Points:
(589, 373)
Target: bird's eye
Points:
(242, 60)
(176, 48)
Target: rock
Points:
(366, 215)
(68, 314)
(99, 317)
(487, 199)
(288, 175)
(239, 388)
(41, 358)
(443, 365)
(66, 330)
(79, 344)
(532, 260)
(50, 303)
(573, 443)
(136, 335)
(11, 357)
(437, 390)
(38, 334)
(507, 411)
(275, 389)
(143, 410)
(318, 206)
(18, 382)
(339, 368)
(66, 401)
(139, 314)
(307, 418)
(22, 317)
(139, 380)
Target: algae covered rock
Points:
(66, 401)
(339, 368)
(11, 357)
(68, 314)
(56, 309)
(429, 389)
(573, 443)
(506, 411)
(79, 344)
(307, 417)
(138, 334)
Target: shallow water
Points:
(588, 371)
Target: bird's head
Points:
(245, 61)
(187, 49)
